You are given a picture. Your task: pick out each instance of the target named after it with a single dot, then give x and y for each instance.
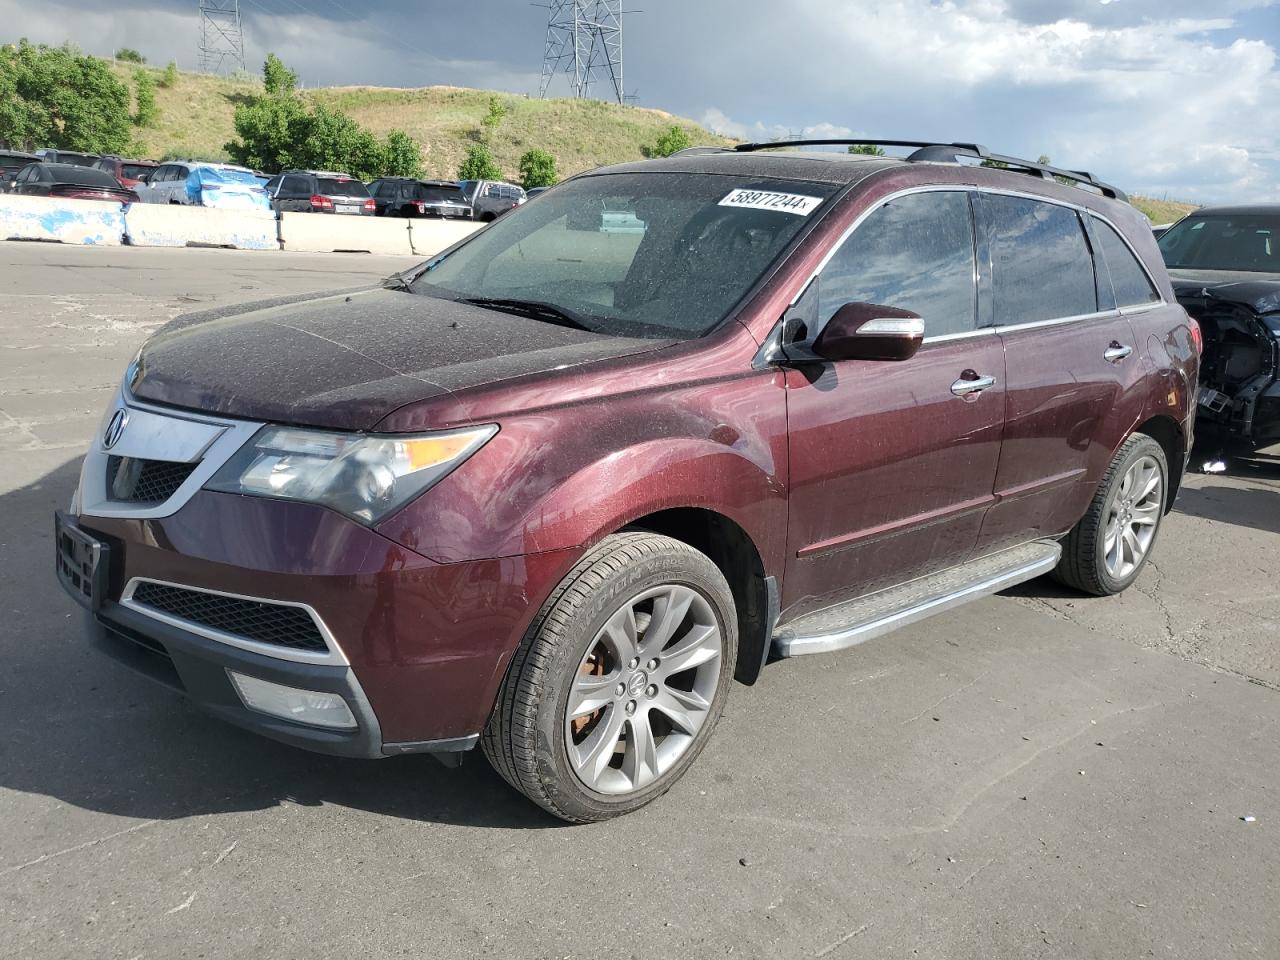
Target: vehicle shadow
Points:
(1254, 507)
(89, 732)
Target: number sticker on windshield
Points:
(767, 200)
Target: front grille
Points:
(271, 623)
(132, 480)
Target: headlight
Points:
(364, 476)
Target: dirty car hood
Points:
(346, 361)
(1260, 292)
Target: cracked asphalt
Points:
(1038, 774)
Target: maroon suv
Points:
(553, 490)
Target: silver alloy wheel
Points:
(1133, 517)
(643, 690)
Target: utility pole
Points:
(221, 36)
(584, 39)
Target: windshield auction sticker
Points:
(767, 200)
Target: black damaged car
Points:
(1225, 267)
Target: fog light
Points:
(302, 706)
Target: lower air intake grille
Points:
(145, 481)
(271, 623)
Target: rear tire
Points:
(619, 681)
(1104, 553)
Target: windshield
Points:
(331, 187)
(1248, 242)
(637, 254)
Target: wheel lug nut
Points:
(631, 707)
(635, 662)
(652, 690)
(620, 689)
(652, 664)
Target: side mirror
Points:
(870, 331)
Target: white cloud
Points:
(1157, 106)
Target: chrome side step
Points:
(857, 621)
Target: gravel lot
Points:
(1036, 775)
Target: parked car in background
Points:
(320, 191)
(49, 155)
(1225, 266)
(226, 188)
(71, 182)
(407, 197)
(552, 492)
(167, 182)
(535, 191)
(130, 173)
(11, 161)
(490, 199)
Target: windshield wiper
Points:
(538, 309)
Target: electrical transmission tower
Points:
(221, 36)
(584, 40)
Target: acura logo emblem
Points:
(115, 429)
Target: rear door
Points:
(1072, 366)
(893, 462)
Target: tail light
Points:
(422, 207)
(370, 206)
(321, 203)
(1197, 336)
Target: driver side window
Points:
(916, 253)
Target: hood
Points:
(1260, 292)
(345, 361)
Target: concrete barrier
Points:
(97, 222)
(338, 233)
(170, 225)
(429, 237)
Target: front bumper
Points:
(421, 647)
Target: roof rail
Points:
(951, 153)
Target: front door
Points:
(893, 462)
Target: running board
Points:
(857, 621)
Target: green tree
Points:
(277, 131)
(170, 76)
(479, 164)
(401, 156)
(493, 118)
(146, 113)
(537, 169)
(277, 79)
(130, 55)
(866, 149)
(57, 97)
(670, 141)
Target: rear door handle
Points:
(965, 385)
(1116, 352)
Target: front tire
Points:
(1104, 553)
(619, 682)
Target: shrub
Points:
(672, 140)
(146, 112)
(170, 76)
(57, 97)
(537, 169)
(479, 164)
(866, 149)
(277, 79)
(401, 156)
(129, 55)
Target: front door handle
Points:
(971, 384)
(1116, 352)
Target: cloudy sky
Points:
(1177, 98)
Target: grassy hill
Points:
(196, 120)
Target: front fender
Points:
(564, 478)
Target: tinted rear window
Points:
(135, 171)
(1130, 282)
(89, 176)
(331, 187)
(1248, 242)
(1041, 265)
(436, 194)
(13, 163)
